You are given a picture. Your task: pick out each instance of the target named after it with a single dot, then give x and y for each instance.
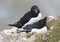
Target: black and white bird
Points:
(26, 19)
(37, 26)
(33, 20)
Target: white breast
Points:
(42, 30)
(33, 20)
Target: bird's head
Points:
(35, 9)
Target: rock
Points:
(13, 35)
(51, 22)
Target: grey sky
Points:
(12, 10)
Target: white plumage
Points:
(42, 30)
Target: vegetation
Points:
(52, 35)
(29, 35)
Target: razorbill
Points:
(37, 25)
(31, 14)
(33, 20)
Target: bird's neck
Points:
(39, 16)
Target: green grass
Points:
(51, 36)
(29, 35)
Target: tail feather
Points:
(11, 25)
(45, 18)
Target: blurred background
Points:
(12, 10)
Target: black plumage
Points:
(38, 25)
(32, 13)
